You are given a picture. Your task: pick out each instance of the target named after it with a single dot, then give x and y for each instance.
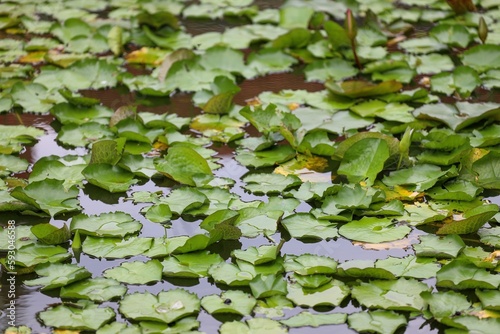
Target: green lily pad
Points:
(459, 115)
(475, 324)
(191, 265)
(111, 178)
(363, 269)
(185, 165)
(490, 299)
(83, 315)
(67, 113)
(402, 294)
(446, 304)
(113, 224)
(314, 320)
(460, 274)
(373, 230)
(410, 267)
(472, 220)
(305, 226)
(12, 137)
(418, 177)
(269, 183)
(486, 169)
(257, 255)
(231, 301)
(23, 236)
(254, 325)
(265, 158)
(482, 57)
(253, 222)
(183, 199)
(355, 89)
(329, 294)
(48, 195)
(34, 97)
(330, 69)
(378, 321)
(451, 34)
(273, 306)
(136, 272)
(34, 253)
(364, 160)
(490, 236)
(11, 164)
(83, 134)
(166, 307)
(97, 289)
(309, 264)
(230, 274)
(68, 169)
(264, 286)
(115, 248)
(56, 275)
(50, 234)
(443, 247)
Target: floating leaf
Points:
(56, 275)
(230, 274)
(23, 237)
(136, 272)
(418, 178)
(254, 325)
(373, 230)
(446, 247)
(97, 289)
(34, 253)
(232, 301)
(330, 294)
(355, 89)
(50, 234)
(482, 57)
(49, 195)
(257, 255)
(444, 305)
(264, 286)
(269, 183)
(83, 315)
(460, 274)
(111, 178)
(314, 320)
(113, 224)
(192, 265)
(115, 248)
(472, 220)
(185, 165)
(305, 226)
(166, 307)
(309, 264)
(378, 321)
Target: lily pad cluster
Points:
(396, 147)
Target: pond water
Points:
(30, 300)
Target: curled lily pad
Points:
(35, 253)
(472, 220)
(56, 275)
(461, 274)
(355, 89)
(50, 234)
(264, 286)
(166, 307)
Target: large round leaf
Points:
(373, 230)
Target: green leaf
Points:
(490, 236)
(232, 301)
(115, 248)
(265, 158)
(364, 160)
(264, 286)
(356, 89)
(48, 195)
(482, 57)
(446, 304)
(83, 134)
(314, 320)
(191, 265)
(254, 325)
(183, 199)
(107, 151)
(330, 294)
(11, 164)
(35, 253)
(417, 178)
(451, 34)
(456, 190)
(487, 170)
(459, 115)
(257, 255)
(460, 274)
(13, 136)
(363, 269)
(113, 224)
(136, 272)
(402, 294)
(410, 267)
(378, 321)
(56, 275)
(23, 236)
(270, 60)
(34, 97)
(111, 178)
(230, 274)
(472, 220)
(296, 38)
(373, 230)
(295, 17)
(83, 315)
(50, 234)
(166, 307)
(67, 113)
(447, 247)
(97, 289)
(262, 183)
(68, 169)
(159, 213)
(490, 299)
(309, 264)
(336, 35)
(329, 69)
(185, 165)
(254, 221)
(304, 226)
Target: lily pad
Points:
(115, 248)
(269, 183)
(373, 230)
(186, 166)
(56, 275)
(378, 321)
(191, 265)
(111, 178)
(97, 289)
(166, 307)
(49, 195)
(264, 286)
(472, 220)
(305, 226)
(446, 247)
(330, 294)
(136, 272)
(460, 274)
(83, 315)
(34, 253)
(113, 224)
(314, 320)
(254, 325)
(232, 301)
(50, 234)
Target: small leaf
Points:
(184, 165)
(51, 235)
(232, 301)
